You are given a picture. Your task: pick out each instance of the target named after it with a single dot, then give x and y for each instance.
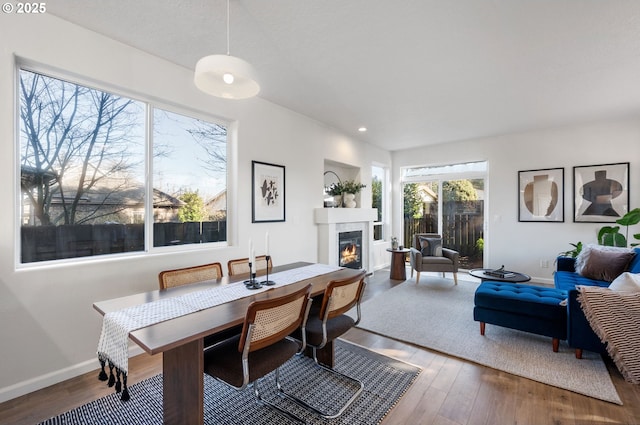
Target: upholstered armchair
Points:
(428, 255)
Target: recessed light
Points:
(362, 129)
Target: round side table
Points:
(398, 269)
(512, 277)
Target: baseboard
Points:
(39, 382)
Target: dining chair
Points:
(263, 345)
(325, 324)
(186, 275)
(241, 265)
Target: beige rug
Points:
(438, 315)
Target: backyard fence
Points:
(462, 232)
(42, 243)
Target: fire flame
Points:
(349, 254)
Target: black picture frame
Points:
(541, 195)
(267, 192)
(600, 192)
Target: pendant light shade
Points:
(226, 76)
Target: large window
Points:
(83, 181)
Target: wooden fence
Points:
(463, 232)
(42, 243)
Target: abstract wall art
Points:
(541, 195)
(268, 192)
(600, 192)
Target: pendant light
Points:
(226, 76)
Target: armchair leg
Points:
(578, 353)
(455, 277)
(417, 277)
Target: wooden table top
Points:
(172, 333)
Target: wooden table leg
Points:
(183, 384)
(326, 355)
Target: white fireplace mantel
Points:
(344, 215)
(331, 221)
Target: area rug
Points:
(385, 381)
(438, 315)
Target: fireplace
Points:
(332, 222)
(350, 249)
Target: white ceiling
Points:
(414, 72)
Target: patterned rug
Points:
(385, 381)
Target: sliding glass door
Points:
(449, 201)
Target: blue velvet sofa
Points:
(579, 333)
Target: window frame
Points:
(384, 200)
(150, 104)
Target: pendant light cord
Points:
(228, 28)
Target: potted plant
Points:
(336, 190)
(351, 186)
(611, 236)
(573, 253)
(349, 190)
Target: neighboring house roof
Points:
(31, 177)
(218, 201)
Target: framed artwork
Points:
(541, 195)
(267, 189)
(600, 192)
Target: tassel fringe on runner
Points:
(114, 380)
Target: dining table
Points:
(180, 340)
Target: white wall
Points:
(521, 245)
(48, 328)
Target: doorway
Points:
(448, 200)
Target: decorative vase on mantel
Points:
(349, 200)
(337, 201)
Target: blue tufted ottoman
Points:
(526, 308)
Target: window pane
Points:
(81, 170)
(377, 192)
(420, 209)
(463, 219)
(189, 180)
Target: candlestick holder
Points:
(267, 281)
(252, 282)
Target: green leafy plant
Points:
(336, 189)
(350, 186)
(611, 236)
(573, 253)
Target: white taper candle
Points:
(266, 243)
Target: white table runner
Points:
(116, 326)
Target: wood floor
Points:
(448, 391)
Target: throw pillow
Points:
(431, 247)
(626, 282)
(602, 262)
